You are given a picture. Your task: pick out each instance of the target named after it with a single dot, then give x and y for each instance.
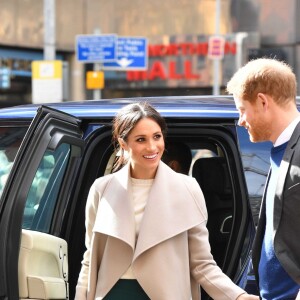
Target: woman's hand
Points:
(247, 297)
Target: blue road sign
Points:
(96, 48)
(132, 54)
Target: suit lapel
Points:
(284, 167)
(115, 216)
(170, 210)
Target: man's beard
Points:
(259, 132)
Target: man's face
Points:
(252, 117)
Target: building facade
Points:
(178, 34)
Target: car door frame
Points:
(48, 130)
(224, 133)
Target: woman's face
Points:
(145, 146)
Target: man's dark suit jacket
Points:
(286, 224)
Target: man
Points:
(264, 92)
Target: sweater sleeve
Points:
(203, 267)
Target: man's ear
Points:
(122, 143)
(263, 101)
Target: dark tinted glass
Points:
(43, 194)
(256, 163)
(10, 141)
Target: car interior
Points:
(212, 175)
(43, 266)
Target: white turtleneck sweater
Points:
(140, 191)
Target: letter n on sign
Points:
(216, 47)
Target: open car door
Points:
(33, 258)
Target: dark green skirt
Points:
(126, 289)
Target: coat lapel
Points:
(115, 216)
(170, 210)
(284, 167)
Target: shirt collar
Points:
(287, 133)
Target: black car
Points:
(50, 155)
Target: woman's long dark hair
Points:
(125, 121)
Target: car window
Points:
(10, 141)
(44, 189)
(256, 164)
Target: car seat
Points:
(213, 177)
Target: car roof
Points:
(175, 106)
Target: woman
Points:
(146, 234)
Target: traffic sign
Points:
(96, 48)
(216, 47)
(132, 54)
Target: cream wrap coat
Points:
(171, 256)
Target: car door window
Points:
(256, 163)
(10, 141)
(44, 189)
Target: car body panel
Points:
(218, 107)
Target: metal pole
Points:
(216, 87)
(97, 67)
(49, 30)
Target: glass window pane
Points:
(43, 193)
(10, 141)
(256, 163)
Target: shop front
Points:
(181, 65)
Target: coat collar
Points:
(115, 216)
(171, 209)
